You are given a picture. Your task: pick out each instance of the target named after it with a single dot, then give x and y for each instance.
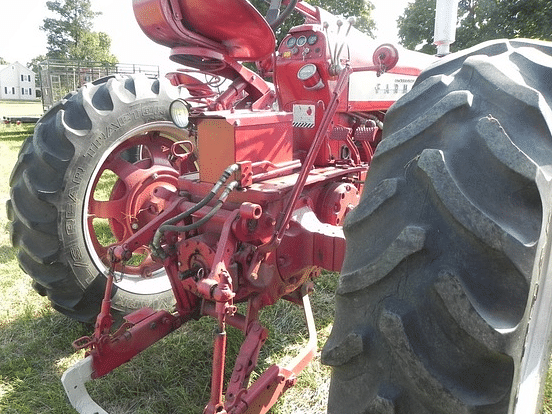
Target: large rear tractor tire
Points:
(96, 171)
(444, 299)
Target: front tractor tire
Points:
(95, 171)
(444, 299)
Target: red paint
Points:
(300, 171)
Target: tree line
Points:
(70, 35)
(478, 21)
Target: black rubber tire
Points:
(443, 301)
(50, 181)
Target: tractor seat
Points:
(235, 26)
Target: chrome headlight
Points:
(180, 113)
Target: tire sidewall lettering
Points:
(89, 151)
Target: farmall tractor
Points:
(141, 204)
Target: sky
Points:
(21, 39)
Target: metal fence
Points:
(57, 78)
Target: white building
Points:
(17, 82)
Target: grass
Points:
(172, 376)
(9, 108)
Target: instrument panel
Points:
(303, 45)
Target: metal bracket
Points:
(265, 391)
(73, 381)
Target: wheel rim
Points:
(132, 183)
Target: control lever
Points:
(335, 66)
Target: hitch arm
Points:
(265, 391)
(146, 327)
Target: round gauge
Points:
(301, 41)
(306, 71)
(312, 39)
(291, 42)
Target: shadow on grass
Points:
(32, 354)
(7, 253)
(172, 376)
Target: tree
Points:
(94, 46)
(3, 61)
(415, 25)
(478, 20)
(533, 18)
(35, 62)
(361, 9)
(71, 37)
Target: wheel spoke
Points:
(112, 209)
(127, 172)
(158, 150)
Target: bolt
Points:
(146, 272)
(134, 226)
(153, 325)
(155, 176)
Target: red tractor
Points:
(151, 202)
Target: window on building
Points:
(30, 91)
(22, 91)
(29, 77)
(22, 78)
(13, 90)
(6, 90)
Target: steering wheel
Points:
(273, 16)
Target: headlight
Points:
(180, 113)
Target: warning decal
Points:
(303, 116)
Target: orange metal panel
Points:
(231, 137)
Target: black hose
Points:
(168, 224)
(181, 229)
(216, 188)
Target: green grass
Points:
(172, 376)
(9, 108)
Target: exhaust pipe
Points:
(445, 25)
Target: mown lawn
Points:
(10, 108)
(170, 377)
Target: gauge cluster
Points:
(302, 45)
